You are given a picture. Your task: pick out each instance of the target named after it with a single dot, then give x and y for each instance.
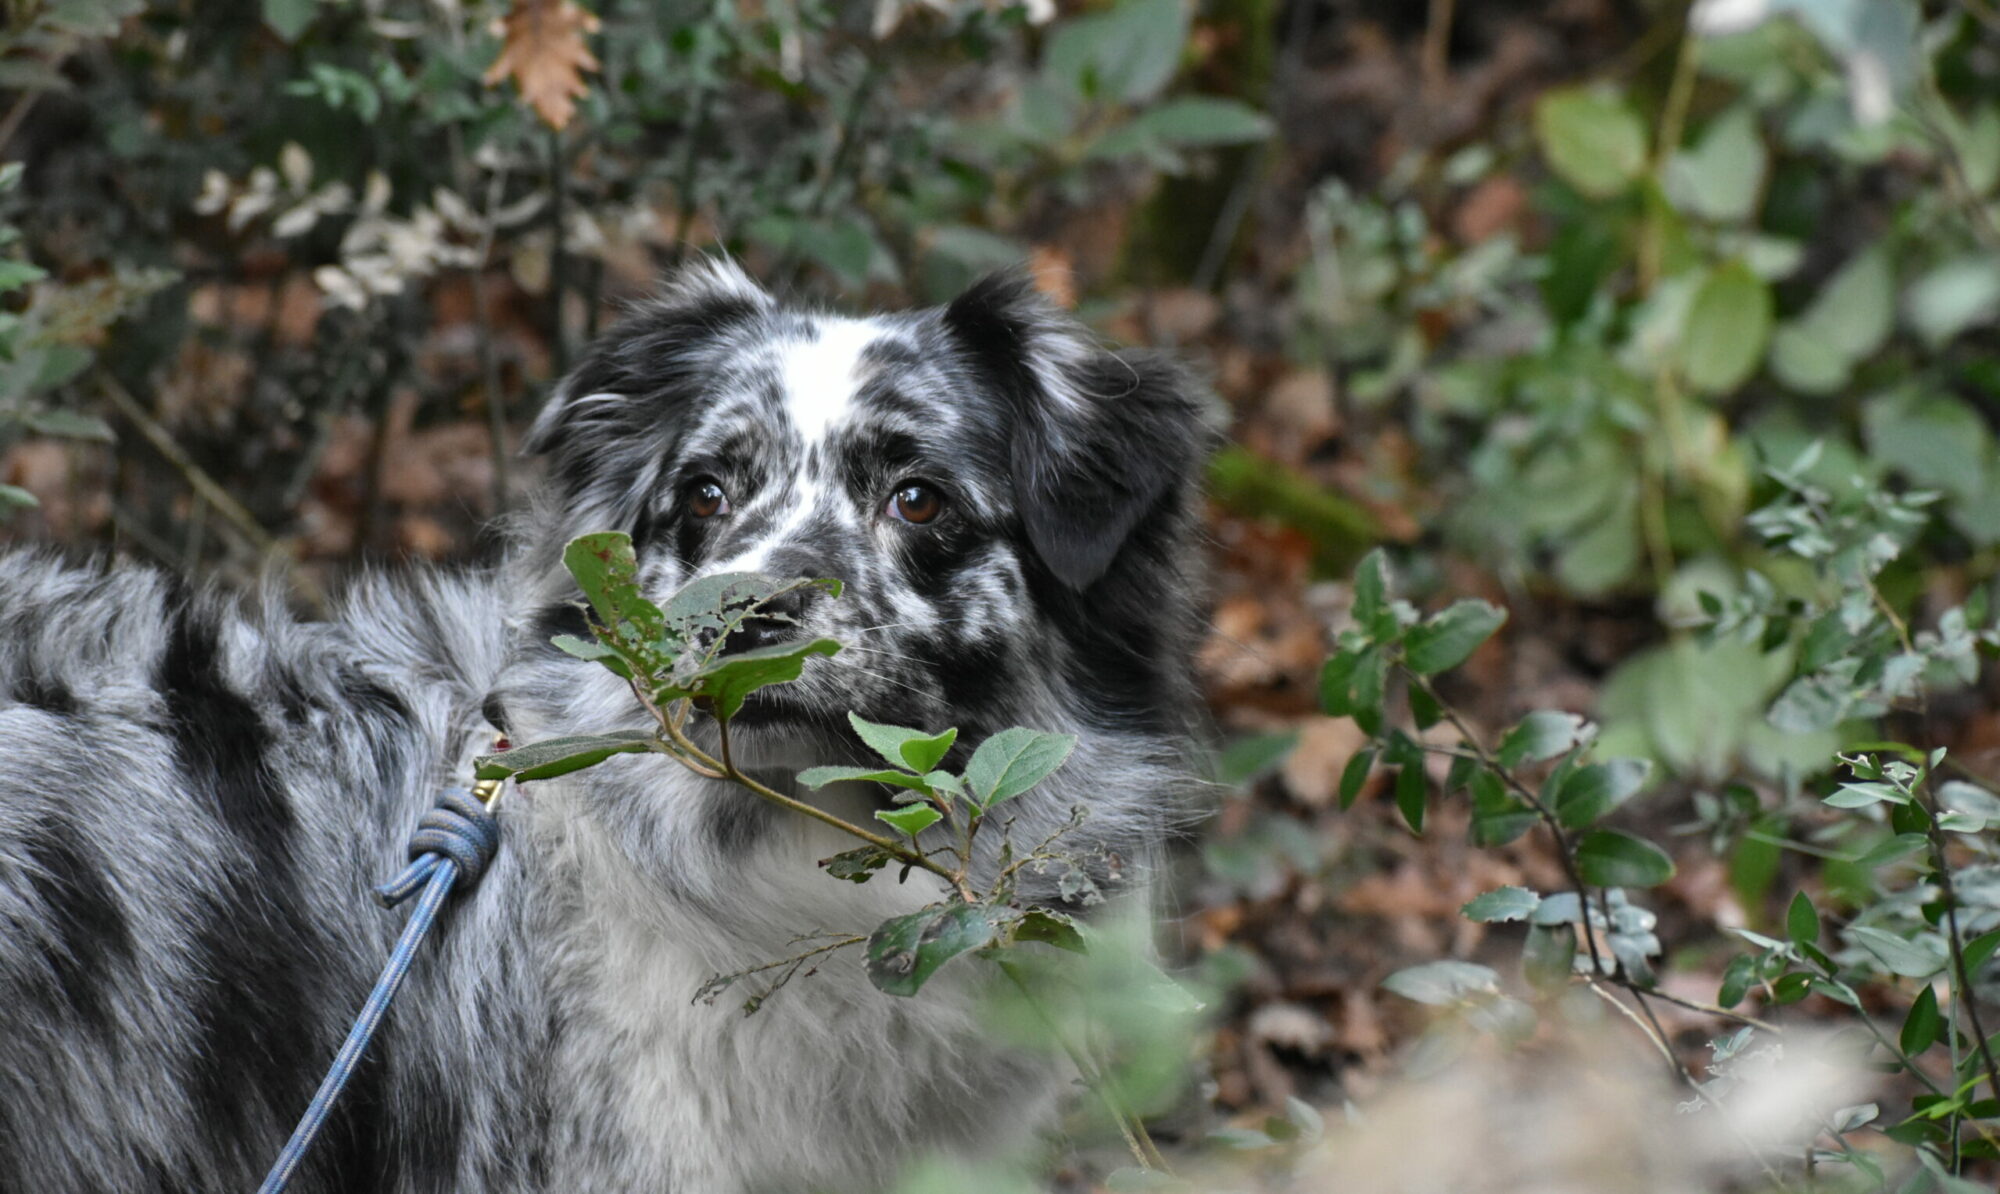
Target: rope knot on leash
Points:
(458, 829)
(455, 840)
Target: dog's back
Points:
(193, 803)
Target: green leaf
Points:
(857, 866)
(1921, 958)
(1892, 849)
(1351, 685)
(1049, 928)
(560, 756)
(1736, 980)
(1498, 817)
(1190, 122)
(1591, 791)
(1548, 957)
(1411, 789)
(1856, 310)
(594, 651)
(1955, 296)
(1201, 120)
(1979, 949)
(15, 496)
(1125, 55)
(844, 245)
(1252, 757)
(912, 819)
(1336, 683)
(712, 607)
(1790, 988)
(1425, 710)
(1012, 761)
(1934, 441)
(1862, 795)
(1502, 904)
(608, 573)
(1920, 1027)
(1592, 139)
(819, 777)
(915, 749)
(15, 273)
(1354, 775)
(903, 953)
(729, 680)
(69, 424)
(1610, 858)
(289, 18)
(1372, 610)
(1727, 329)
(1543, 734)
(1446, 639)
(1722, 176)
(1802, 920)
(1442, 983)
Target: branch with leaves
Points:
(1541, 773)
(681, 663)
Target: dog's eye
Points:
(915, 502)
(705, 498)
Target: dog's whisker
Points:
(886, 653)
(892, 680)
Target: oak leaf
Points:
(543, 49)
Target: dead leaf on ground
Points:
(543, 50)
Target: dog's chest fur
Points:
(694, 1096)
(196, 794)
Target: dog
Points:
(197, 791)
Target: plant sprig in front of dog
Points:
(676, 661)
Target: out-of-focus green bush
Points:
(1790, 237)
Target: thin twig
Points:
(1673, 121)
(1666, 1053)
(1651, 1028)
(1694, 1005)
(1437, 46)
(715, 986)
(1963, 994)
(1507, 776)
(725, 768)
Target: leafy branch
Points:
(1924, 936)
(684, 661)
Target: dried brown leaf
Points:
(543, 50)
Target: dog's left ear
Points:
(1104, 443)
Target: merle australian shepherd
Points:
(197, 791)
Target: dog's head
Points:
(1008, 504)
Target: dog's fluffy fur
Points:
(196, 793)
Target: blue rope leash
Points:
(455, 840)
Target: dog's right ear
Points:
(611, 423)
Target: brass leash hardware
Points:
(487, 791)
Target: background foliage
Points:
(1664, 333)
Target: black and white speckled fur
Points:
(196, 793)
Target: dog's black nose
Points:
(776, 621)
